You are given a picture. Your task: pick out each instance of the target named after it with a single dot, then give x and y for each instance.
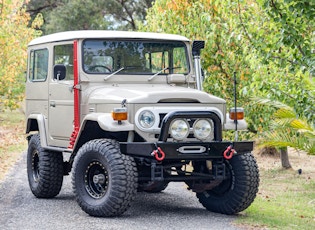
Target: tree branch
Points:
(43, 7)
(131, 19)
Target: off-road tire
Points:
(44, 170)
(238, 191)
(112, 194)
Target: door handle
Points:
(52, 104)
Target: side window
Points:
(63, 54)
(38, 65)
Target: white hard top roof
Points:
(109, 34)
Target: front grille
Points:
(161, 115)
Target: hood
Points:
(149, 94)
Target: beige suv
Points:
(124, 112)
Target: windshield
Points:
(134, 57)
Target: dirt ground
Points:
(298, 160)
(8, 156)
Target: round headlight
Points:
(146, 119)
(179, 129)
(202, 129)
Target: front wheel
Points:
(104, 180)
(237, 191)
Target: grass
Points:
(12, 139)
(286, 200)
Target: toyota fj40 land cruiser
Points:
(127, 112)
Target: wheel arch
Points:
(100, 125)
(36, 123)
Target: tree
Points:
(76, 15)
(125, 14)
(62, 15)
(14, 37)
(267, 43)
(41, 7)
(284, 41)
(243, 36)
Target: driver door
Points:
(61, 98)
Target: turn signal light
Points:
(237, 113)
(120, 114)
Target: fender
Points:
(36, 122)
(106, 122)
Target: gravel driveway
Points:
(174, 208)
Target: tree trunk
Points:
(285, 158)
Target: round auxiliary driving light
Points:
(146, 119)
(202, 129)
(179, 129)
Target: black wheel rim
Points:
(227, 184)
(35, 166)
(96, 179)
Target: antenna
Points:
(235, 106)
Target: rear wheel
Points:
(44, 170)
(237, 191)
(104, 180)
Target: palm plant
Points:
(288, 129)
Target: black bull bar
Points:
(163, 150)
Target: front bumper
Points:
(185, 151)
(193, 150)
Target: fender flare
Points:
(105, 122)
(36, 122)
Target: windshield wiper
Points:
(153, 76)
(109, 76)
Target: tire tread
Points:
(123, 173)
(243, 191)
(50, 170)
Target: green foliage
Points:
(14, 37)
(125, 14)
(65, 15)
(76, 15)
(295, 22)
(268, 46)
(287, 129)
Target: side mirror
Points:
(59, 72)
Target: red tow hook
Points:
(158, 154)
(229, 152)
